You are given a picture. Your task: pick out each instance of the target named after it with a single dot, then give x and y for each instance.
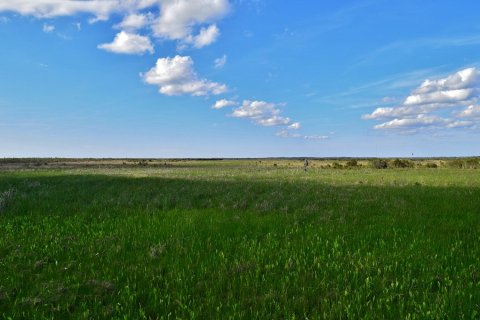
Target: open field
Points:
(238, 239)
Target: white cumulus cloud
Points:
(135, 21)
(418, 121)
(205, 37)
(470, 112)
(261, 113)
(435, 104)
(463, 79)
(179, 20)
(178, 17)
(191, 23)
(294, 126)
(447, 96)
(176, 76)
(129, 43)
(274, 120)
(54, 8)
(266, 114)
(223, 103)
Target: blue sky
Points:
(239, 78)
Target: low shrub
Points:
(337, 165)
(379, 164)
(399, 163)
(469, 163)
(352, 163)
(143, 163)
(472, 163)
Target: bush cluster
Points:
(399, 163)
(469, 163)
(352, 163)
(379, 164)
(143, 163)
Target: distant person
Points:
(305, 165)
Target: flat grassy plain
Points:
(237, 239)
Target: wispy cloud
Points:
(419, 43)
(220, 62)
(316, 137)
(370, 94)
(284, 133)
(47, 28)
(294, 135)
(77, 25)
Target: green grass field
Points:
(238, 240)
